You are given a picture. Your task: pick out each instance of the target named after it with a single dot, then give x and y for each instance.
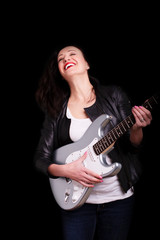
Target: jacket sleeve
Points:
(45, 147)
(125, 151)
(123, 106)
(122, 103)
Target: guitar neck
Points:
(122, 127)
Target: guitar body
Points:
(68, 193)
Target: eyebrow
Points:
(67, 51)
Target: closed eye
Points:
(60, 59)
(71, 54)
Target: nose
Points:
(66, 59)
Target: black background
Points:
(123, 48)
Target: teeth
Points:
(68, 65)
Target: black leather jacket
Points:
(111, 100)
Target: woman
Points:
(72, 100)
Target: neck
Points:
(80, 89)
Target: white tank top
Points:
(110, 189)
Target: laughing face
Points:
(71, 62)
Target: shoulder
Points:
(114, 94)
(113, 91)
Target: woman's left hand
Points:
(142, 116)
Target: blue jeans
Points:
(109, 221)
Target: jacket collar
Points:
(95, 110)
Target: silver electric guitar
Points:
(70, 194)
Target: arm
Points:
(76, 171)
(45, 147)
(143, 118)
(44, 162)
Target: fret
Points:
(120, 130)
(122, 127)
(155, 100)
(113, 131)
(110, 137)
(105, 139)
(126, 124)
(117, 131)
(103, 142)
(96, 149)
(148, 105)
(102, 145)
(151, 102)
(131, 121)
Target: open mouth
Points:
(68, 65)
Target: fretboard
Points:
(122, 127)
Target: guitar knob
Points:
(68, 180)
(67, 194)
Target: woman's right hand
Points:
(76, 171)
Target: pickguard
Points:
(92, 162)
